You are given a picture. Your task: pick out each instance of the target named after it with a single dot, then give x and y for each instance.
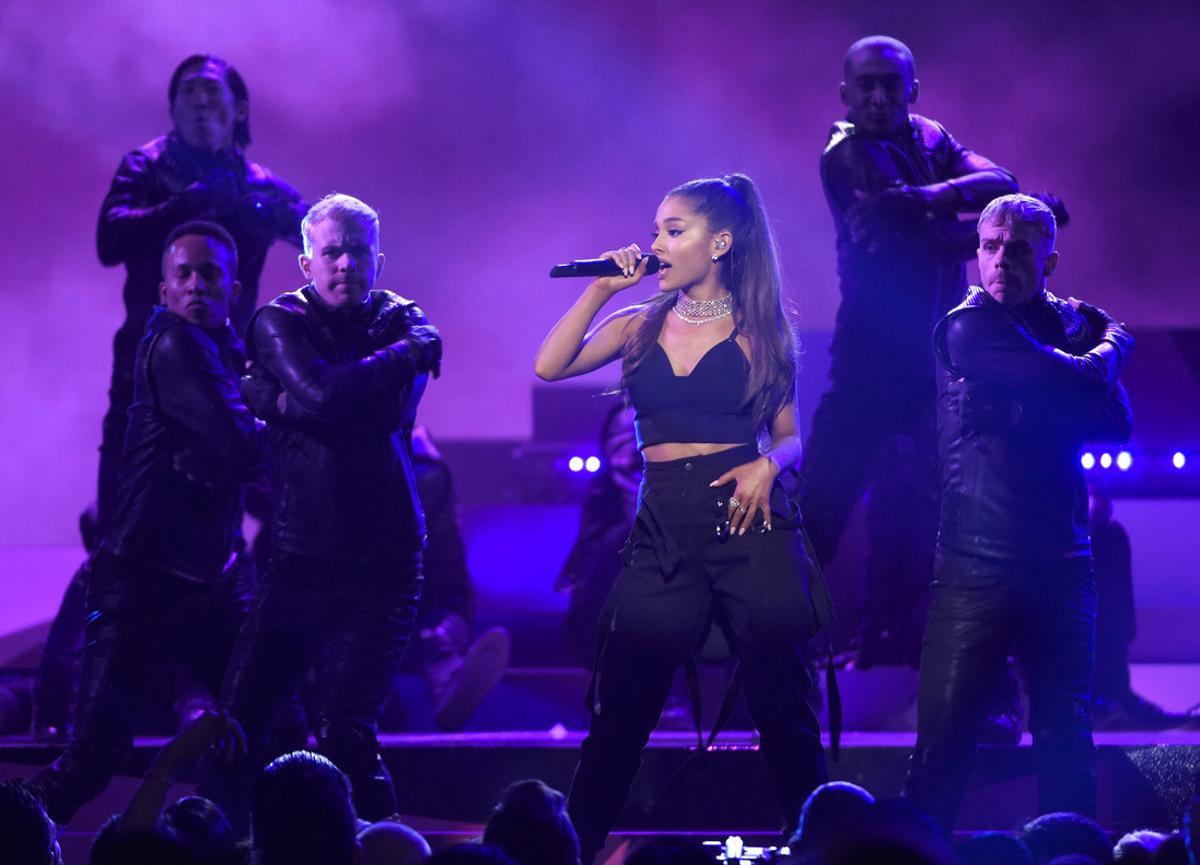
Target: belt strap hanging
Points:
(697, 757)
(833, 695)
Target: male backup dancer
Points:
(896, 183)
(338, 370)
(162, 588)
(196, 171)
(1025, 379)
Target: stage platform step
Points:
(1145, 778)
(881, 699)
(532, 698)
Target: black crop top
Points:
(705, 406)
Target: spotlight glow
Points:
(575, 464)
(592, 464)
(1105, 461)
(1178, 459)
(1088, 460)
(1124, 460)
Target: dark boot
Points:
(459, 680)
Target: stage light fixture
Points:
(1088, 460)
(575, 464)
(1106, 461)
(1178, 459)
(1124, 460)
(592, 464)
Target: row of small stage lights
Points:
(578, 464)
(1123, 460)
(1090, 460)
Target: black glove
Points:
(885, 212)
(1104, 326)
(1056, 205)
(425, 347)
(262, 210)
(261, 392)
(1099, 322)
(1097, 318)
(218, 190)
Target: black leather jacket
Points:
(185, 399)
(896, 283)
(153, 191)
(1021, 389)
(344, 483)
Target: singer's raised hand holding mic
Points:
(569, 349)
(633, 267)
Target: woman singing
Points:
(709, 367)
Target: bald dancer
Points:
(897, 184)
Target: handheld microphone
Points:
(599, 267)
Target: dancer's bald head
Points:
(879, 45)
(879, 83)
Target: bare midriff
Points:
(682, 450)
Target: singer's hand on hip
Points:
(632, 264)
(752, 493)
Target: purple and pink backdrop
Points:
(497, 138)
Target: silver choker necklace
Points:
(698, 312)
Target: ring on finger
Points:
(735, 503)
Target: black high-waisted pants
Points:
(681, 576)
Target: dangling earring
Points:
(715, 257)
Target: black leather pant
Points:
(139, 622)
(681, 577)
(901, 524)
(851, 429)
(981, 610)
(351, 620)
(54, 689)
(116, 418)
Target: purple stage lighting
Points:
(1088, 460)
(1106, 461)
(575, 464)
(1124, 460)
(1178, 459)
(592, 464)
